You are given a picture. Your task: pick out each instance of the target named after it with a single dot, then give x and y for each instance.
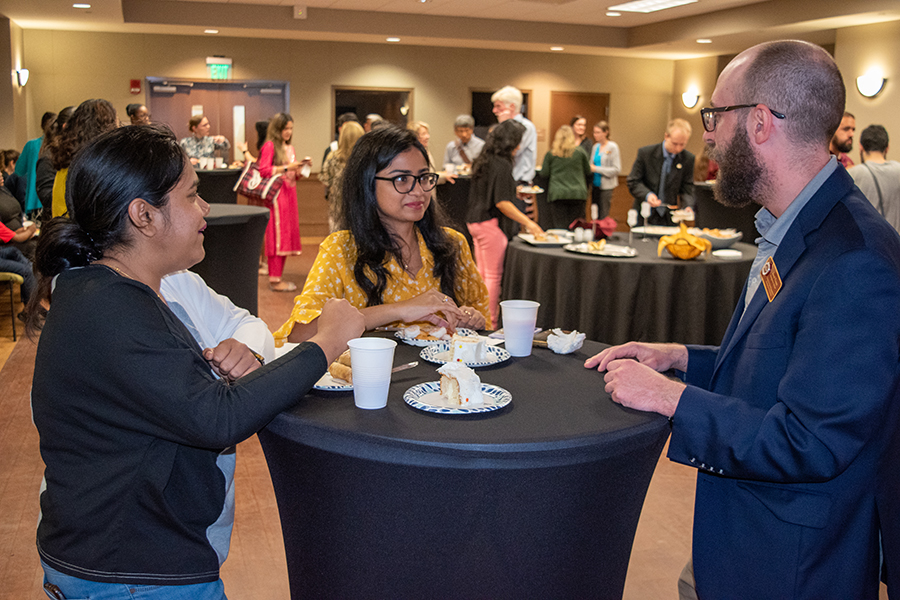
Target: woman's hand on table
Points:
(472, 318)
(231, 359)
(338, 323)
(425, 307)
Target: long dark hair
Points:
(137, 161)
(55, 130)
(90, 119)
(374, 244)
(501, 141)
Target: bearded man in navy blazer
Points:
(667, 162)
(792, 422)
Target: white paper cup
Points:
(372, 360)
(519, 317)
(450, 168)
(220, 162)
(204, 163)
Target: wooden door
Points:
(231, 107)
(565, 105)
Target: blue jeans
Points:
(13, 261)
(74, 588)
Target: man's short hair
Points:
(849, 114)
(679, 124)
(464, 121)
(801, 81)
(509, 95)
(874, 138)
(345, 117)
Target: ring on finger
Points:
(446, 299)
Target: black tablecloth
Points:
(232, 241)
(616, 300)
(540, 499)
(217, 185)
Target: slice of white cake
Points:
(467, 349)
(460, 386)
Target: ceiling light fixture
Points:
(556, 48)
(393, 39)
(649, 6)
(211, 31)
(704, 41)
(613, 14)
(871, 84)
(81, 5)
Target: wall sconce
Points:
(871, 84)
(22, 77)
(690, 97)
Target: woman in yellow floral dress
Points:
(392, 258)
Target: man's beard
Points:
(845, 147)
(742, 178)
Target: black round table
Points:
(217, 185)
(233, 237)
(540, 499)
(616, 300)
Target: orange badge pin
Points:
(770, 278)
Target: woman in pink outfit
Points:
(283, 231)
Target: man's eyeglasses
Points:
(404, 184)
(709, 114)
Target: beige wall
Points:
(856, 50)
(701, 73)
(68, 67)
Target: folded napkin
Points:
(565, 343)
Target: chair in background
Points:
(11, 278)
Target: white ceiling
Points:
(580, 26)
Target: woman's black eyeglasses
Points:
(708, 115)
(404, 184)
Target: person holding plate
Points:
(392, 258)
(132, 418)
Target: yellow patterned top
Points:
(331, 276)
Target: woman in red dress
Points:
(283, 231)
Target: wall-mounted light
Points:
(690, 97)
(871, 84)
(22, 77)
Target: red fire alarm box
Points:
(135, 86)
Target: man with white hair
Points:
(793, 421)
(508, 105)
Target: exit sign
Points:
(218, 71)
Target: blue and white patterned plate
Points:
(417, 342)
(427, 397)
(440, 355)
(327, 383)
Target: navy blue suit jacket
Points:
(788, 421)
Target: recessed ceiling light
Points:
(393, 39)
(80, 5)
(613, 14)
(704, 41)
(210, 31)
(557, 48)
(649, 6)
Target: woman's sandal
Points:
(283, 286)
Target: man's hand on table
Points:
(231, 359)
(633, 375)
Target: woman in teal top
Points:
(568, 169)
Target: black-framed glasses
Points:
(708, 115)
(404, 184)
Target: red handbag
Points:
(256, 187)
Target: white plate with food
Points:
(530, 189)
(657, 230)
(719, 238)
(548, 239)
(601, 249)
(427, 397)
(439, 354)
(327, 383)
(428, 337)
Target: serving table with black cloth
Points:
(539, 499)
(454, 199)
(713, 214)
(232, 240)
(217, 185)
(616, 300)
